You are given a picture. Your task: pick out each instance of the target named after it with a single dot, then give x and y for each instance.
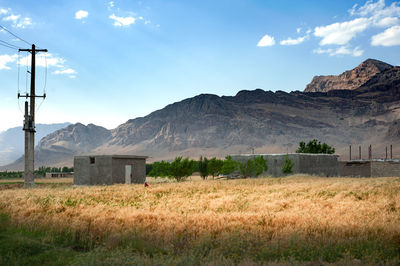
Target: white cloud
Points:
(81, 14)
(6, 59)
(110, 5)
(291, 41)
(390, 37)
(68, 71)
(266, 41)
(298, 30)
(343, 50)
(341, 33)
(42, 60)
(386, 22)
(122, 21)
(12, 18)
(17, 20)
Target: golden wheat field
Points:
(253, 212)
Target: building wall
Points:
(138, 170)
(355, 168)
(314, 164)
(385, 168)
(98, 173)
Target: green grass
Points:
(22, 246)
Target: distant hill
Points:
(349, 80)
(268, 122)
(12, 140)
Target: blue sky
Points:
(110, 61)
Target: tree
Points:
(203, 167)
(160, 169)
(181, 169)
(214, 167)
(229, 166)
(253, 167)
(287, 165)
(315, 146)
(260, 165)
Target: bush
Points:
(229, 166)
(160, 169)
(253, 167)
(287, 166)
(315, 146)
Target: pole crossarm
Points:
(30, 50)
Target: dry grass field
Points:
(276, 220)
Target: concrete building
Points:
(312, 164)
(109, 169)
(59, 175)
(370, 168)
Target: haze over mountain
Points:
(12, 144)
(268, 122)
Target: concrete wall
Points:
(313, 164)
(138, 170)
(377, 168)
(385, 168)
(108, 169)
(355, 168)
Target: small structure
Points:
(109, 169)
(59, 175)
(370, 168)
(304, 163)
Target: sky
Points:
(111, 61)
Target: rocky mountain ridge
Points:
(349, 80)
(263, 121)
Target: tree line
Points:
(41, 171)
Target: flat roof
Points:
(115, 156)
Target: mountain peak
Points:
(349, 80)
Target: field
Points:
(298, 219)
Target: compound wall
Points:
(312, 164)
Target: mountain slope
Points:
(263, 121)
(349, 80)
(11, 140)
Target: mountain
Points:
(258, 120)
(11, 140)
(349, 80)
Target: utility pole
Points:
(29, 123)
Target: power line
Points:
(2, 43)
(16, 36)
(9, 44)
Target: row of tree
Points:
(181, 168)
(42, 170)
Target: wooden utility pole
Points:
(29, 123)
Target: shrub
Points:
(287, 166)
(229, 166)
(253, 167)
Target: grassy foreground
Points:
(298, 219)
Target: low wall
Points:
(374, 168)
(312, 164)
(355, 168)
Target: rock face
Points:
(349, 80)
(263, 121)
